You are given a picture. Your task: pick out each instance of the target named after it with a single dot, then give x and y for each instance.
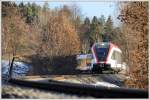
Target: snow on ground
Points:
(19, 69)
(105, 84)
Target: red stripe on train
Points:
(94, 49)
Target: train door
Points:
(116, 60)
(118, 57)
(113, 60)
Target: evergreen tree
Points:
(87, 21)
(34, 9)
(102, 20)
(108, 30)
(77, 23)
(5, 6)
(95, 31)
(23, 9)
(85, 36)
(102, 24)
(45, 6)
(94, 20)
(29, 14)
(21, 5)
(87, 27)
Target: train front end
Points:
(100, 53)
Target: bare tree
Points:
(134, 16)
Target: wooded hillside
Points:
(56, 36)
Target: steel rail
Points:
(84, 89)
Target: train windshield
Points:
(102, 52)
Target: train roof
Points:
(105, 44)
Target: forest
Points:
(52, 37)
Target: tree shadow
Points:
(58, 65)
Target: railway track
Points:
(15, 91)
(82, 89)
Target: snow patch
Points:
(19, 68)
(105, 84)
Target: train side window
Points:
(113, 55)
(118, 57)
